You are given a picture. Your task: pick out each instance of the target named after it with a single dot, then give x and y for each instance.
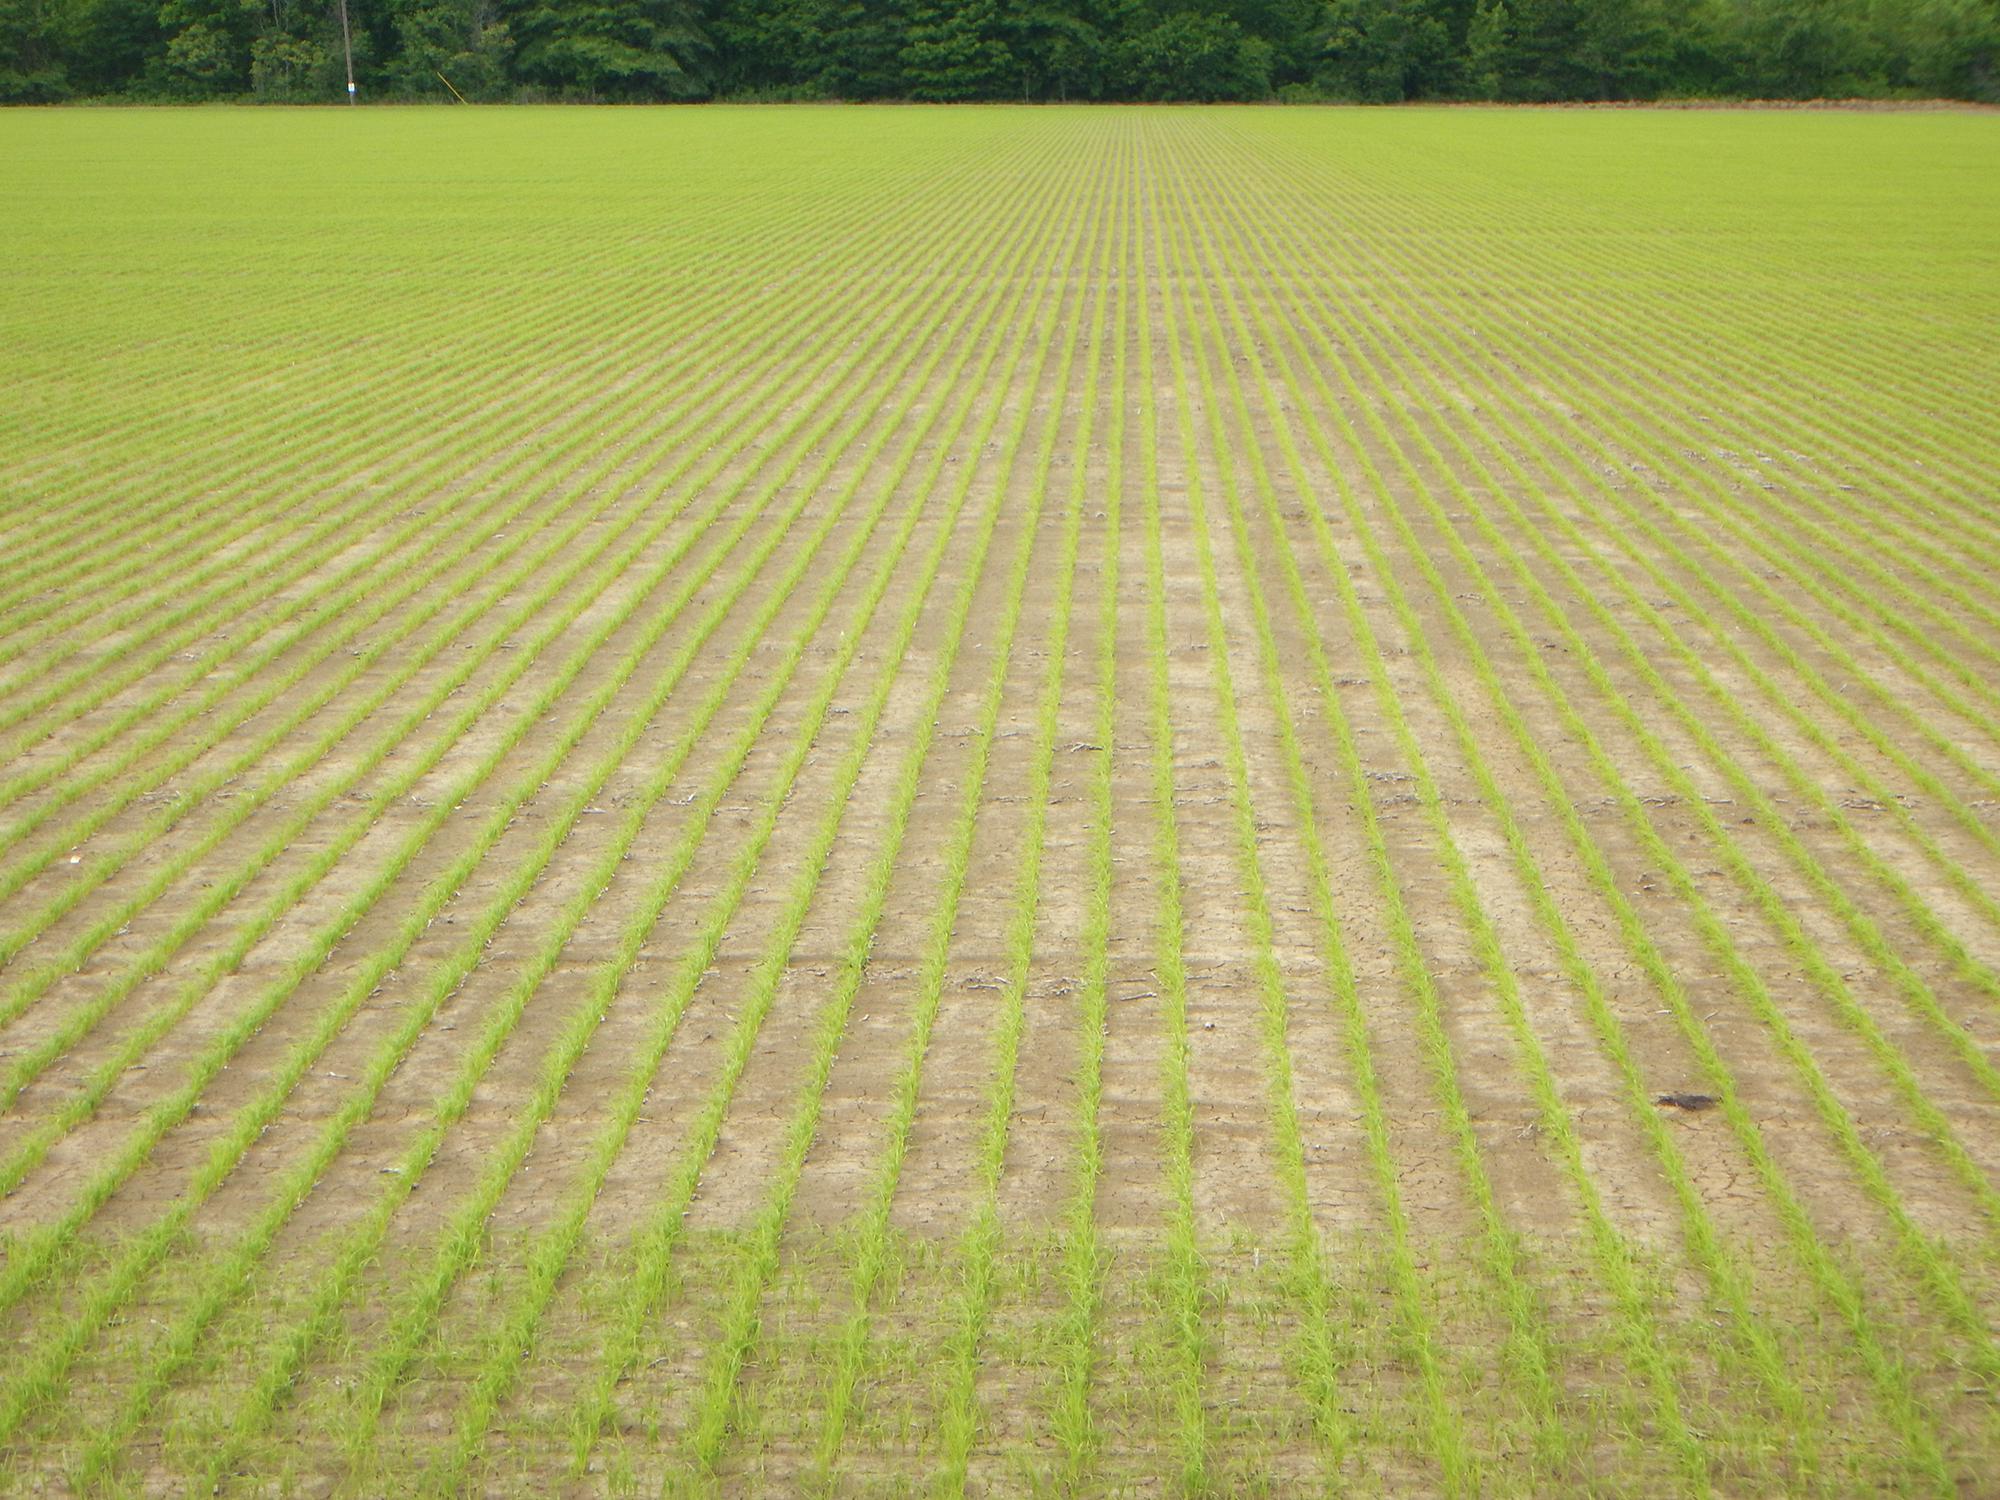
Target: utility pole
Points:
(347, 46)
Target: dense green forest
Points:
(1374, 50)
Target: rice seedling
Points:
(823, 800)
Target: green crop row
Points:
(515, 717)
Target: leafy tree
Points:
(954, 51)
(861, 41)
(294, 53)
(105, 43)
(1290, 28)
(1541, 46)
(1486, 49)
(612, 49)
(1056, 52)
(1949, 47)
(1004, 49)
(1797, 49)
(465, 42)
(31, 67)
(290, 69)
(1200, 57)
(1622, 48)
(828, 49)
(1380, 51)
(207, 51)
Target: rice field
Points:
(1045, 802)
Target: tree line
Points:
(295, 51)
